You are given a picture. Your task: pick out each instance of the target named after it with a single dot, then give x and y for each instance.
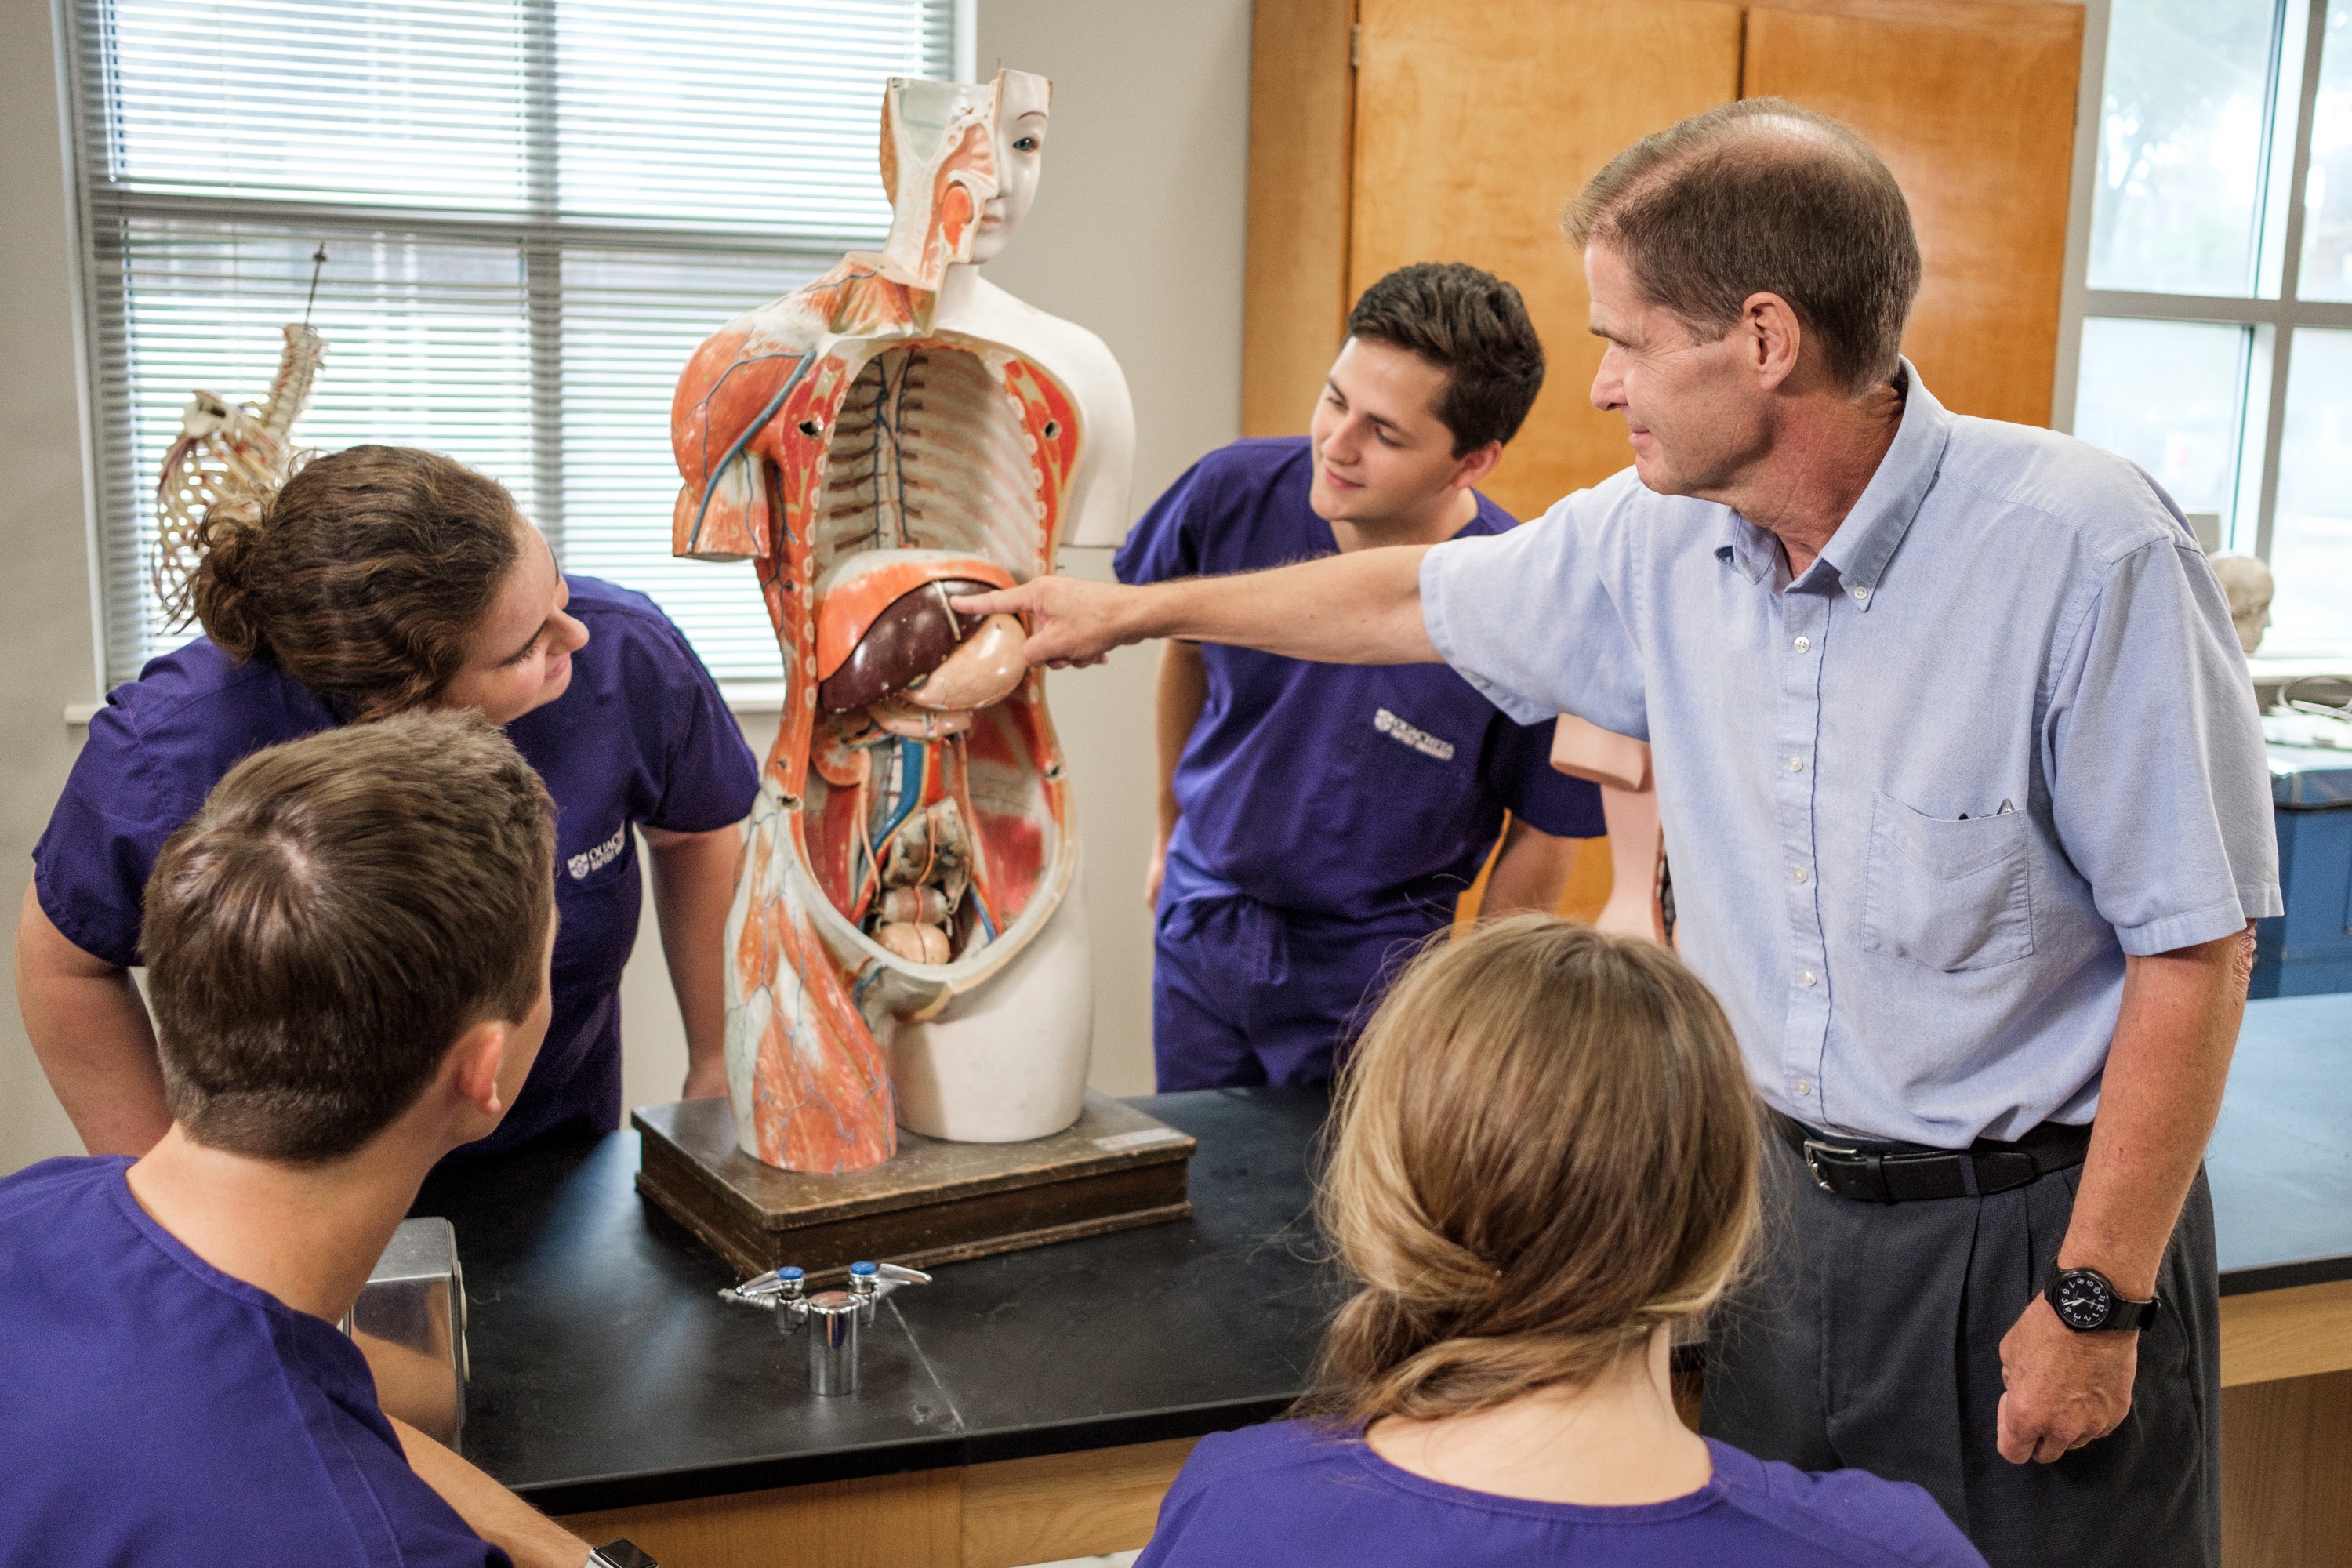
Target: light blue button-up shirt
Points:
(1921, 801)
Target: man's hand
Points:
(705, 1080)
(2064, 1389)
(1071, 621)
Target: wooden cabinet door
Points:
(1473, 127)
(1971, 103)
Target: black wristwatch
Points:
(2087, 1303)
(619, 1554)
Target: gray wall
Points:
(47, 653)
(1136, 234)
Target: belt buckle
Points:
(1818, 1146)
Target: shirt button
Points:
(1804, 643)
(1809, 978)
(1798, 873)
(1803, 1086)
(1796, 764)
(1861, 595)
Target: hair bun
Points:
(227, 540)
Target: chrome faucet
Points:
(834, 1317)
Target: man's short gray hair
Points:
(1761, 196)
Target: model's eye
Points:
(1025, 144)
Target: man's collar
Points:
(1857, 554)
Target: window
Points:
(2216, 347)
(532, 211)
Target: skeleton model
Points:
(227, 458)
(908, 943)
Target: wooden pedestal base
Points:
(933, 1202)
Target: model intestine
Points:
(227, 455)
(908, 944)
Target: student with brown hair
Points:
(1498, 1390)
(381, 580)
(1317, 821)
(347, 948)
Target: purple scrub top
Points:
(159, 1412)
(1308, 1495)
(640, 738)
(1363, 792)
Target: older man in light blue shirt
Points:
(1989, 743)
(1964, 791)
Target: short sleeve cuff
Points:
(2210, 923)
(90, 936)
(1441, 571)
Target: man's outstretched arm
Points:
(1363, 607)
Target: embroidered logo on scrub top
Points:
(1420, 739)
(590, 861)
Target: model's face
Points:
(1382, 454)
(1021, 119)
(1694, 410)
(520, 656)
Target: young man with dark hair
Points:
(1318, 821)
(347, 954)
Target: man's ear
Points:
(1472, 468)
(472, 1072)
(1774, 339)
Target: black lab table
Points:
(1035, 1406)
(1025, 1407)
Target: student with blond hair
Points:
(1498, 1389)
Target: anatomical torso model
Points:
(908, 943)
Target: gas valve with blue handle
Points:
(833, 1317)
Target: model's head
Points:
(2247, 580)
(386, 578)
(960, 163)
(1439, 369)
(1756, 251)
(1546, 1148)
(344, 913)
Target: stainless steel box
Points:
(410, 1323)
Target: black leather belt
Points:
(1873, 1172)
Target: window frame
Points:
(537, 230)
(2272, 323)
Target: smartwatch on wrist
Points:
(619, 1554)
(2087, 1303)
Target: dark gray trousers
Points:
(1869, 1335)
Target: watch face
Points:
(2082, 1299)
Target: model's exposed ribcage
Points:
(928, 453)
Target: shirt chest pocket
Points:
(1948, 894)
(597, 865)
(1418, 784)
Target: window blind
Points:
(533, 211)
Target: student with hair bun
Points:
(381, 580)
(1497, 1391)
